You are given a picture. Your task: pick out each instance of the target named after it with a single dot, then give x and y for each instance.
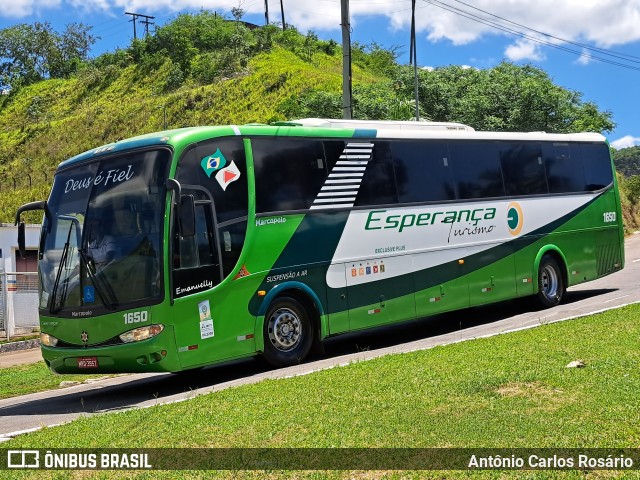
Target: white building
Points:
(19, 282)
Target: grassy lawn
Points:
(507, 391)
(31, 378)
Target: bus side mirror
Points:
(187, 216)
(21, 240)
(27, 207)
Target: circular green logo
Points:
(513, 218)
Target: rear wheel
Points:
(551, 287)
(288, 333)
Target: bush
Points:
(205, 68)
(175, 78)
(315, 103)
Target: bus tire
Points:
(288, 333)
(551, 287)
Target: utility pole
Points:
(266, 12)
(347, 109)
(413, 57)
(134, 19)
(284, 25)
(146, 22)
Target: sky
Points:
(588, 46)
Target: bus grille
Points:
(607, 259)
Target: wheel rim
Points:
(285, 329)
(549, 282)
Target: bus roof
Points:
(382, 124)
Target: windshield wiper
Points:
(99, 282)
(63, 261)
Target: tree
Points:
(29, 53)
(371, 102)
(504, 98)
(73, 47)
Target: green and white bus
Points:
(183, 248)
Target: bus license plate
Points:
(88, 362)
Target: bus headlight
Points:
(142, 333)
(48, 340)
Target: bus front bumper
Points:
(157, 354)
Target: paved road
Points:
(20, 357)
(54, 407)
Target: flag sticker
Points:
(213, 162)
(228, 175)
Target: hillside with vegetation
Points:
(627, 161)
(206, 69)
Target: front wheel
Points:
(287, 333)
(551, 287)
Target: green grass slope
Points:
(45, 123)
(507, 391)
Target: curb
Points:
(22, 345)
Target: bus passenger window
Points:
(564, 167)
(476, 169)
(597, 166)
(379, 183)
(422, 171)
(523, 169)
(289, 173)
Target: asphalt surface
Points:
(20, 357)
(141, 390)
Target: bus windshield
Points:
(102, 247)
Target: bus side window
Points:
(422, 171)
(565, 170)
(523, 169)
(230, 198)
(476, 169)
(198, 250)
(597, 165)
(289, 173)
(378, 184)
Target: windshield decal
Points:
(111, 177)
(213, 162)
(228, 175)
(89, 295)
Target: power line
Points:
(518, 33)
(612, 53)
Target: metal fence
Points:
(18, 303)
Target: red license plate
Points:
(88, 362)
